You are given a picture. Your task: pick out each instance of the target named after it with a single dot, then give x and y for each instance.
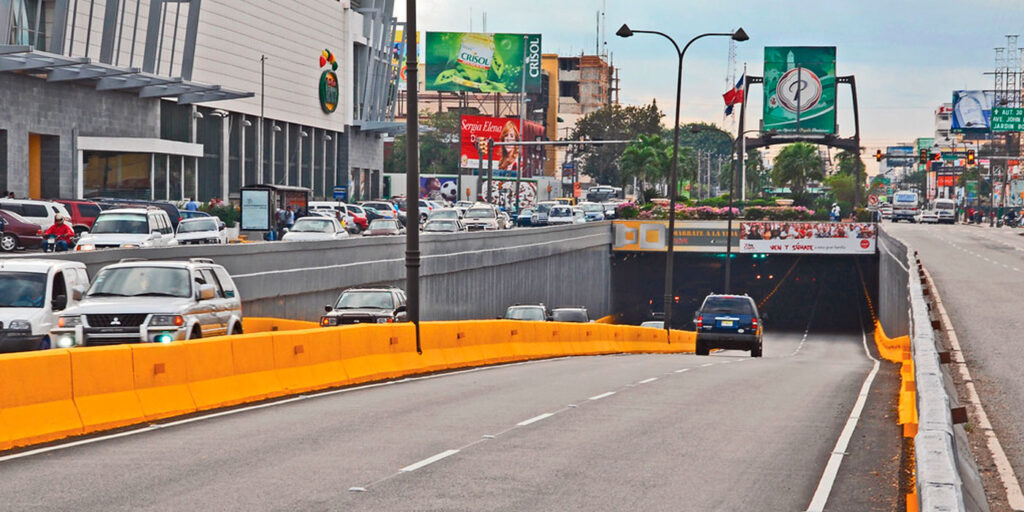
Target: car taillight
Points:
(700, 321)
(753, 324)
(39, 232)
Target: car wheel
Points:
(8, 242)
(756, 351)
(702, 348)
(196, 333)
(237, 329)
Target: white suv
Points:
(35, 292)
(38, 212)
(139, 301)
(129, 228)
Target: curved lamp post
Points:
(625, 31)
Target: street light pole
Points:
(625, 31)
(412, 175)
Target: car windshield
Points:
(569, 315)
(127, 223)
(365, 299)
(657, 324)
(22, 289)
(560, 212)
(611, 206)
(383, 224)
(544, 207)
(734, 305)
(311, 225)
(355, 209)
(440, 225)
(944, 205)
(526, 212)
(593, 208)
(194, 226)
(445, 214)
(525, 313)
(906, 198)
(141, 281)
(480, 213)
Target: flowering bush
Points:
(683, 212)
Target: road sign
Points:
(872, 200)
(1007, 119)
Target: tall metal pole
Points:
(490, 169)
(260, 178)
(522, 120)
(412, 174)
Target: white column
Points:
(80, 175)
(225, 157)
(287, 142)
(152, 177)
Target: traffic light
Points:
(970, 157)
(878, 155)
(936, 157)
(923, 159)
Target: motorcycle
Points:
(50, 244)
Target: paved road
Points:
(640, 432)
(980, 274)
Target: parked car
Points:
(927, 217)
(342, 213)
(524, 216)
(655, 324)
(367, 305)
(129, 228)
(142, 301)
(358, 215)
(886, 210)
(385, 208)
(530, 312)
(577, 314)
(730, 322)
(83, 213)
(192, 214)
(18, 232)
(562, 215)
(443, 226)
(35, 292)
(540, 215)
(481, 217)
(505, 220)
(40, 213)
(112, 203)
(445, 214)
(384, 227)
(200, 230)
(315, 228)
(610, 209)
(592, 212)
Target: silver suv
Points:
(140, 301)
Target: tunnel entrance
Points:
(843, 289)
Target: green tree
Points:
(439, 146)
(849, 163)
(796, 166)
(648, 159)
(758, 176)
(615, 122)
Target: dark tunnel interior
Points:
(841, 291)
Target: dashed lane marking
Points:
(429, 460)
(535, 419)
(602, 395)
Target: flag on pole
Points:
(734, 96)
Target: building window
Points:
(569, 90)
(124, 175)
(28, 23)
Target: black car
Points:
(577, 314)
(730, 322)
(367, 305)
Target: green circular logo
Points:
(329, 91)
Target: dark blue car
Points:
(729, 322)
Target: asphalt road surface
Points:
(979, 272)
(624, 432)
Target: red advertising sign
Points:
(945, 180)
(476, 131)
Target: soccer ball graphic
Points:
(449, 190)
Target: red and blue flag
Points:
(734, 96)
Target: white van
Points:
(904, 206)
(946, 210)
(36, 292)
(38, 212)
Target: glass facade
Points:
(125, 175)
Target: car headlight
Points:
(85, 247)
(167, 320)
(131, 246)
(328, 321)
(69, 321)
(382, 320)
(20, 325)
(65, 341)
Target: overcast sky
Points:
(907, 55)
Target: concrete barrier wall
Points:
(893, 297)
(463, 276)
(54, 394)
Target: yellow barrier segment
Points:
(437, 340)
(898, 350)
(366, 354)
(890, 348)
(161, 380)
(211, 374)
(308, 359)
(36, 403)
(253, 366)
(103, 386)
(258, 324)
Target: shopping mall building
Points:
(169, 99)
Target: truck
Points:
(905, 205)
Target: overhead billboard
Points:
(690, 236)
(775, 237)
(399, 56)
(800, 89)
(972, 111)
(476, 131)
(479, 62)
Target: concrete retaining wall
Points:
(463, 276)
(893, 297)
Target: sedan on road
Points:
(315, 229)
(443, 226)
(200, 230)
(927, 217)
(730, 322)
(384, 227)
(18, 231)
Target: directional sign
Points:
(1005, 119)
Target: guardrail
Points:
(53, 394)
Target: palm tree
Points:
(796, 166)
(647, 159)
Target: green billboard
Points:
(477, 62)
(800, 89)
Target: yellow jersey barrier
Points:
(54, 394)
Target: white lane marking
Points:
(828, 478)
(602, 395)
(535, 419)
(681, 370)
(429, 460)
(1014, 495)
(705, 365)
(357, 489)
(158, 426)
(646, 381)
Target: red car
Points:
(18, 232)
(83, 213)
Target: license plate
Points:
(726, 323)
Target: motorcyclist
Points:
(62, 233)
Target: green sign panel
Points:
(476, 62)
(800, 89)
(1007, 119)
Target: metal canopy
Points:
(58, 68)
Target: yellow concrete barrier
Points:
(897, 350)
(36, 403)
(211, 374)
(160, 379)
(253, 365)
(103, 386)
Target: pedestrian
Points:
(191, 205)
(281, 218)
(10, 195)
(290, 221)
(836, 213)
